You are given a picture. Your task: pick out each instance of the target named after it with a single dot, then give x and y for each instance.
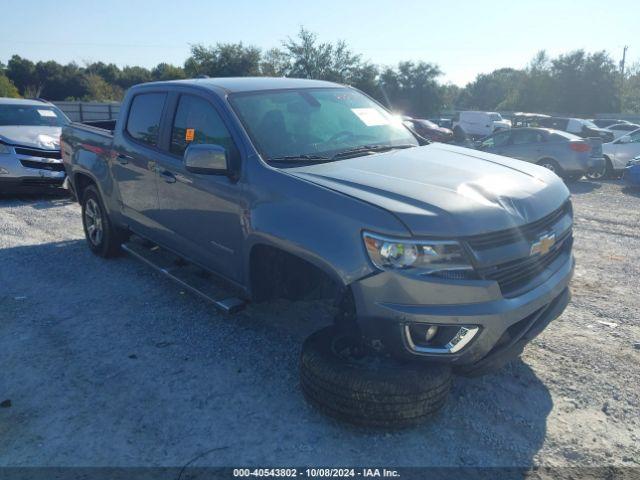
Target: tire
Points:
(601, 174)
(552, 165)
(369, 390)
(103, 238)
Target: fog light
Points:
(423, 334)
(425, 338)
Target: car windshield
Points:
(318, 124)
(32, 115)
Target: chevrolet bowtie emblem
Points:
(543, 245)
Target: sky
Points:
(464, 38)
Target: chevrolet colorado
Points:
(287, 186)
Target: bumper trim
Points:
(457, 343)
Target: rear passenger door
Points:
(200, 213)
(134, 163)
(525, 145)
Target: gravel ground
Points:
(107, 363)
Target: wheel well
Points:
(275, 273)
(81, 182)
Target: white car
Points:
(618, 153)
(621, 129)
(480, 124)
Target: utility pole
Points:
(624, 57)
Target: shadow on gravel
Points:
(583, 186)
(38, 201)
(633, 191)
(166, 380)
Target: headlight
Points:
(420, 256)
(4, 148)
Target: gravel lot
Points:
(107, 363)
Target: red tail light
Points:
(581, 147)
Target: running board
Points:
(187, 275)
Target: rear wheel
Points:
(552, 165)
(603, 173)
(103, 238)
(344, 380)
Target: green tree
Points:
(166, 71)
(22, 73)
(7, 88)
(223, 60)
(630, 101)
(97, 89)
(130, 76)
(412, 88)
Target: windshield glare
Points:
(31, 115)
(318, 122)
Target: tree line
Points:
(577, 82)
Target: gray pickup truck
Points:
(286, 187)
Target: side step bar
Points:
(187, 275)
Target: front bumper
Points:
(388, 302)
(27, 173)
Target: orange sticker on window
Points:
(190, 134)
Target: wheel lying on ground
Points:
(365, 389)
(103, 238)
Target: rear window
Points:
(495, 117)
(143, 123)
(559, 136)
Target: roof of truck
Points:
(250, 84)
(23, 101)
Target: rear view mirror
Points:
(206, 159)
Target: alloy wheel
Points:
(93, 222)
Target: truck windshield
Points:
(316, 124)
(32, 115)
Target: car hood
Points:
(43, 137)
(445, 191)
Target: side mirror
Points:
(206, 159)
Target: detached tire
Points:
(104, 238)
(369, 390)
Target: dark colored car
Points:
(522, 119)
(443, 122)
(578, 126)
(429, 130)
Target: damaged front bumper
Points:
(480, 321)
(30, 170)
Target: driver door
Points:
(201, 213)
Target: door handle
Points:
(123, 159)
(167, 176)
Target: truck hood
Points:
(43, 137)
(443, 190)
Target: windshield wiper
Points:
(306, 158)
(363, 149)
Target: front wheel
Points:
(103, 238)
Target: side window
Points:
(635, 136)
(496, 140)
(143, 123)
(523, 137)
(196, 121)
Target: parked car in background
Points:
(631, 173)
(30, 159)
(522, 119)
(429, 130)
(443, 122)
(565, 154)
(606, 122)
(577, 126)
(617, 155)
(479, 124)
(620, 129)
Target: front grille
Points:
(54, 167)
(527, 232)
(34, 152)
(512, 276)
